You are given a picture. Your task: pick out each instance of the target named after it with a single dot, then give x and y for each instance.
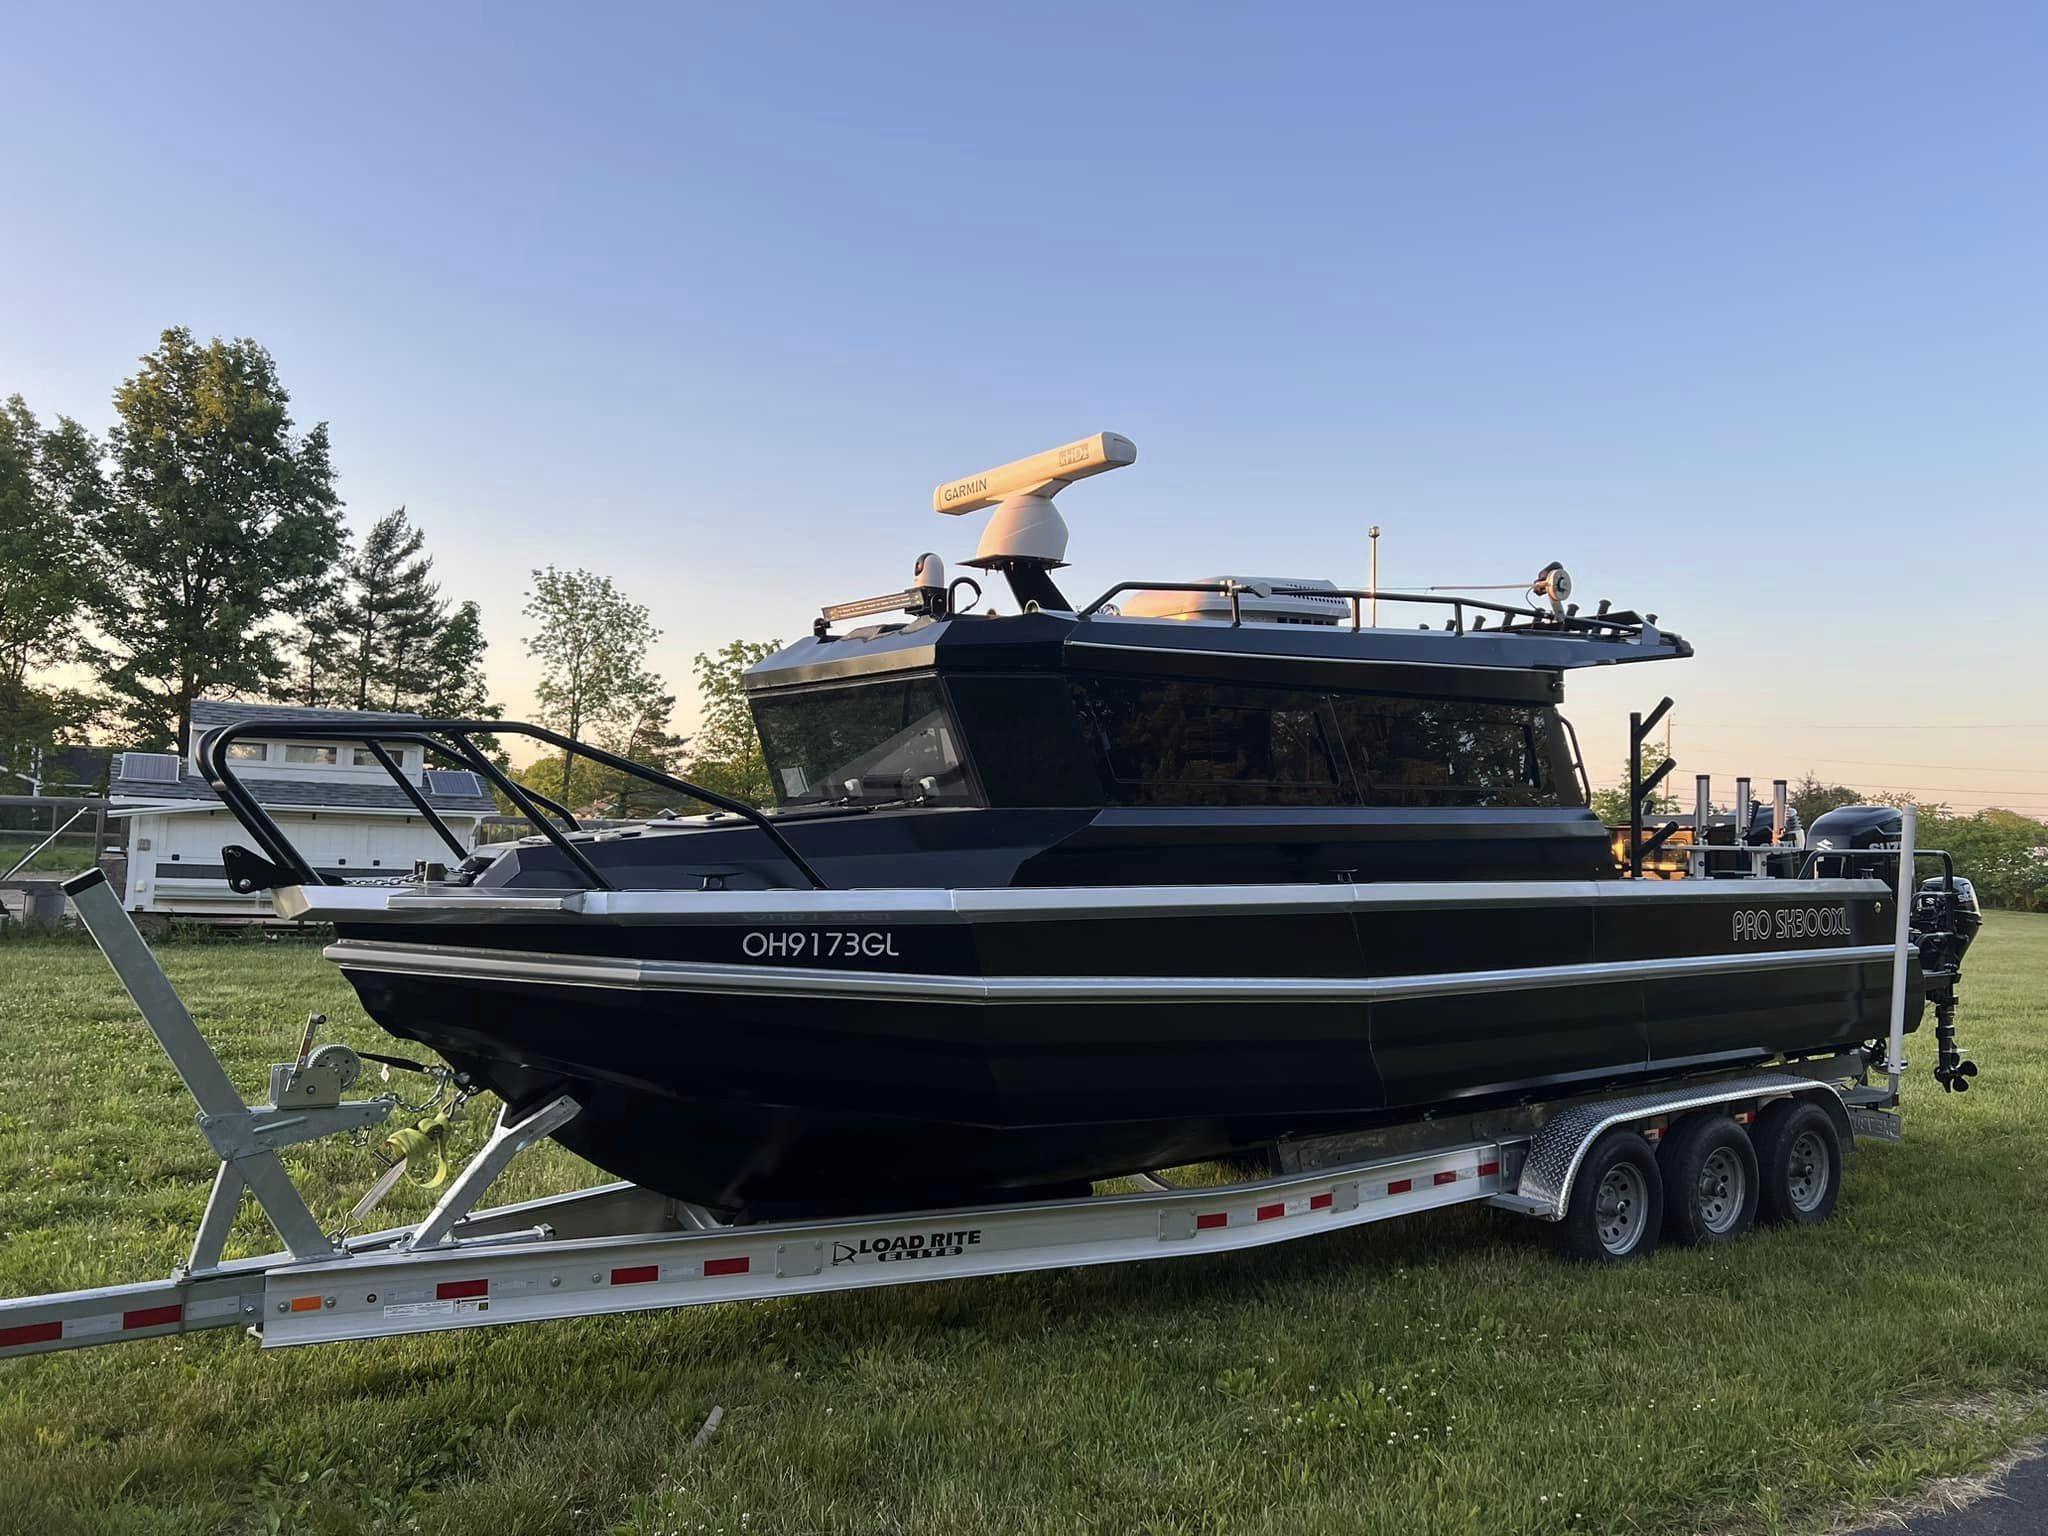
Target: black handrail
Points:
(1234, 590)
(450, 739)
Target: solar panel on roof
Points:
(454, 781)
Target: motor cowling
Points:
(1855, 839)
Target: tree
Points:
(1611, 805)
(381, 638)
(454, 670)
(591, 642)
(726, 752)
(220, 521)
(1811, 798)
(388, 615)
(51, 490)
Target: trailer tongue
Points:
(1692, 1161)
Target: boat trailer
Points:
(618, 1247)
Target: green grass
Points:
(68, 855)
(1435, 1376)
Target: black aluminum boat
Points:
(1079, 891)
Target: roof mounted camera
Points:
(1027, 537)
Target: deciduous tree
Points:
(591, 642)
(51, 492)
(725, 754)
(221, 520)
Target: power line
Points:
(1811, 725)
(1878, 762)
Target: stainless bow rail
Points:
(453, 741)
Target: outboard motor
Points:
(1851, 830)
(1862, 841)
(1946, 918)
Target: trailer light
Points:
(1745, 1117)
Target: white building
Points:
(332, 800)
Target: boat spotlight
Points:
(1555, 583)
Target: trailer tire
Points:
(1799, 1161)
(1710, 1180)
(1616, 1209)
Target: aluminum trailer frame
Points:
(621, 1248)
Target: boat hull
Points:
(773, 1053)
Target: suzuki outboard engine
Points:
(1863, 841)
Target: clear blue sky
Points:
(1740, 312)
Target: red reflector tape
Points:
(1209, 1220)
(1400, 1186)
(31, 1333)
(1448, 1176)
(456, 1290)
(1268, 1212)
(1321, 1202)
(637, 1274)
(1488, 1170)
(738, 1266)
(154, 1317)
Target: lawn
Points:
(1435, 1376)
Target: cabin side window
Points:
(1451, 752)
(881, 743)
(1192, 743)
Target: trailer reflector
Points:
(738, 1266)
(1448, 1176)
(305, 1304)
(1400, 1186)
(31, 1333)
(153, 1317)
(636, 1274)
(1208, 1221)
(1321, 1202)
(1488, 1170)
(461, 1290)
(1268, 1212)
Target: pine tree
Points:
(388, 616)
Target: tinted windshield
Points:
(866, 744)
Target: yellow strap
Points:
(415, 1143)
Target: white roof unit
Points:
(1257, 602)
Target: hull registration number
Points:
(820, 944)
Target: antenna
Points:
(1027, 536)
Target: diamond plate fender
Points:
(1557, 1150)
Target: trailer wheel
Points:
(1710, 1180)
(1799, 1158)
(1616, 1210)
